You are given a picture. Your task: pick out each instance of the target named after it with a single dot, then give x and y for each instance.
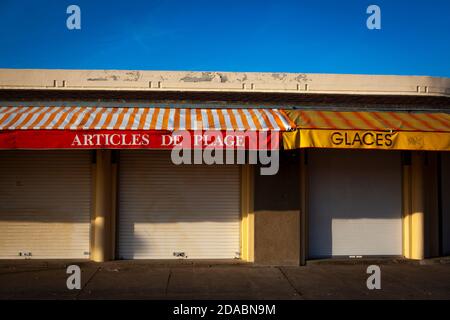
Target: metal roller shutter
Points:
(355, 203)
(45, 204)
(166, 209)
(445, 201)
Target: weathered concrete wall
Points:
(277, 237)
(277, 219)
(223, 81)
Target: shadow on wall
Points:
(277, 208)
(165, 208)
(279, 192)
(355, 203)
(45, 203)
(445, 202)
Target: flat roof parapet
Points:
(225, 82)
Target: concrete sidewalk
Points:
(34, 279)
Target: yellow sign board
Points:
(364, 139)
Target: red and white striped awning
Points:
(140, 118)
(72, 127)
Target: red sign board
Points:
(137, 139)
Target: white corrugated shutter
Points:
(45, 203)
(166, 209)
(355, 203)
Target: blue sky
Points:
(321, 36)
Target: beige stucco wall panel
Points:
(222, 81)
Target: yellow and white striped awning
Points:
(140, 118)
(368, 130)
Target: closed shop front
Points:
(45, 204)
(89, 175)
(355, 203)
(168, 211)
(445, 202)
(143, 205)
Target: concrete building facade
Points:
(364, 166)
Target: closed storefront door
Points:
(355, 203)
(445, 202)
(45, 204)
(168, 211)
